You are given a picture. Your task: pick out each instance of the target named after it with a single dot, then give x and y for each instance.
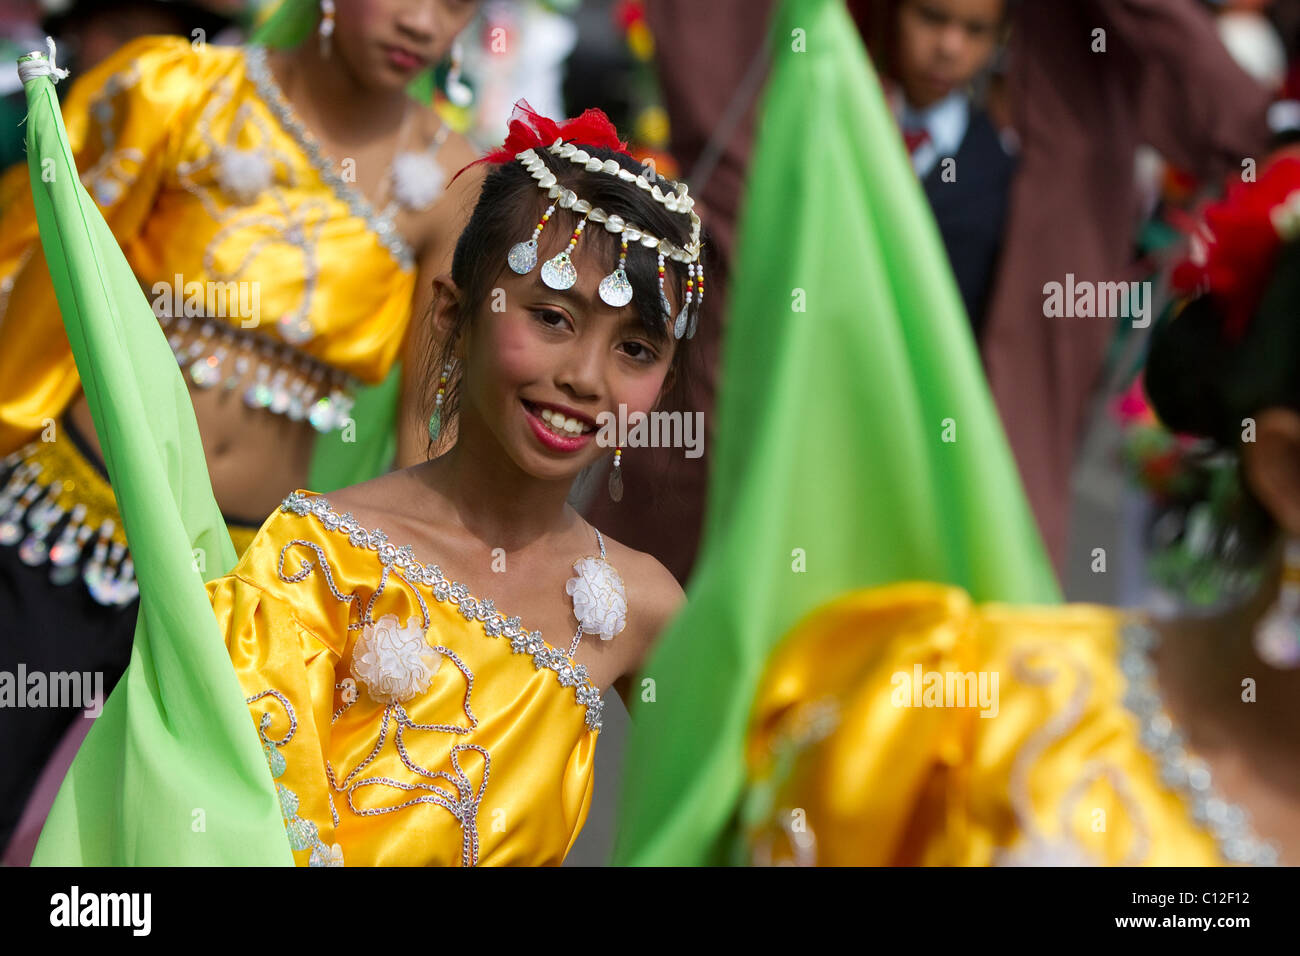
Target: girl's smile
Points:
(558, 427)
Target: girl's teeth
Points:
(560, 423)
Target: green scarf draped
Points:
(856, 445)
(172, 772)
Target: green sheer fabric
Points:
(172, 772)
(856, 441)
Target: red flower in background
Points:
(1132, 406)
(629, 12)
(1234, 251)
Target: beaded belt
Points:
(301, 388)
(46, 482)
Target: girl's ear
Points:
(1272, 463)
(447, 319)
(446, 306)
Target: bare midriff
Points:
(255, 457)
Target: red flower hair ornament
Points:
(529, 129)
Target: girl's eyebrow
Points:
(571, 296)
(583, 305)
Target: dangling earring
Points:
(435, 420)
(326, 26)
(679, 329)
(699, 300)
(458, 91)
(616, 477)
(1277, 635)
(663, 299)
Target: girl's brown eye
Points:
(550, 317)
(639, 351)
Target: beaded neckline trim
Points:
(566, 671)
(1228, 823)
(382, 225)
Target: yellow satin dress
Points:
(332, 630)
(215, 191)
(950, 734)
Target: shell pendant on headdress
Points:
(523, 255)
(559, 272)
(614, 289)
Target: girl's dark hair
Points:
(509, 207)
(1203, 382)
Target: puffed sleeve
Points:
(287, 673)
(904, 725)
(124, 119)
(839, 775)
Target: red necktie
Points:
(916, 138)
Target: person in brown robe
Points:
(1164, 79)
(702, 52)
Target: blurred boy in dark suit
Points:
(938, 49)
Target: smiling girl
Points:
(425, 653)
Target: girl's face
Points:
(388, 42)
(534, 354)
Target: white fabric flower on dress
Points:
(395, 663)
(599, 601)
(417, 179)
(243, 173)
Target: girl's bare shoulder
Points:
(653, 594)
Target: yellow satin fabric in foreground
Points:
(904, 771)
(198, 178)
(521, 777)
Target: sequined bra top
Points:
(270, 271)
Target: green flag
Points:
(857, 443)
(172, 773)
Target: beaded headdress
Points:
(530, 134)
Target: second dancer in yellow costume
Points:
(285, 212)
